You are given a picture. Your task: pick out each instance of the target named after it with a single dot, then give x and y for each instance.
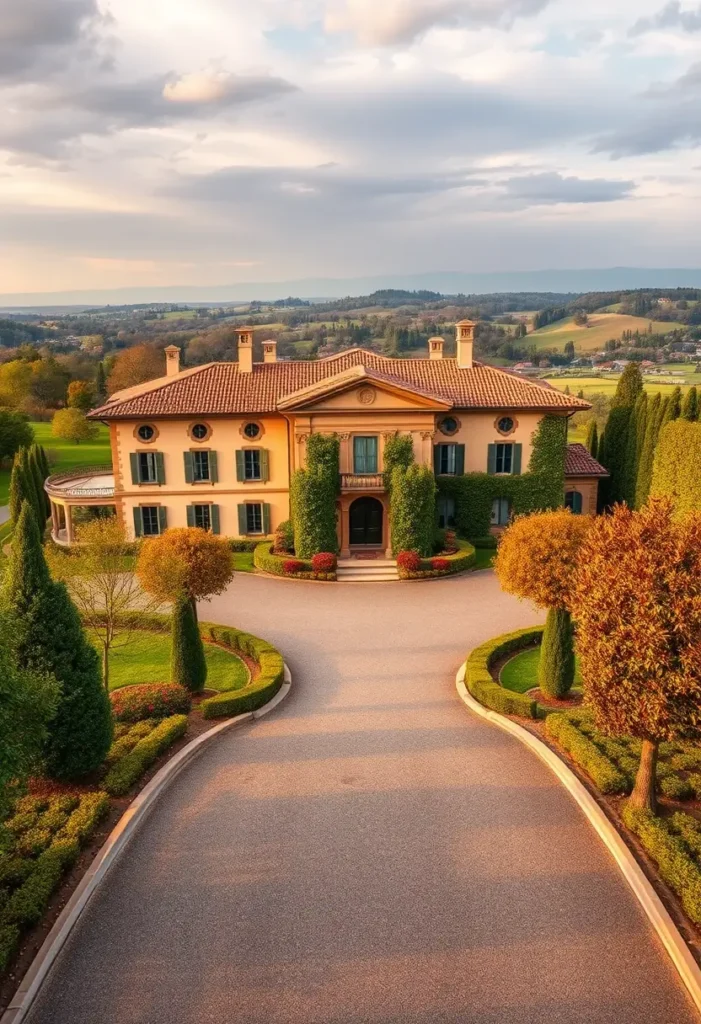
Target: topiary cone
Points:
(556, 666)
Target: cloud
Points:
(550, 188)
(222, 88)
(42, 36)
(671, 16)
(393, 22)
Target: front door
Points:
(366, 521)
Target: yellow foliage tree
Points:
(185, 561)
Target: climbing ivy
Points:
(313, 493)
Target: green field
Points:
(601, 328)
(520, 673)
(64, 454)
(146, 659)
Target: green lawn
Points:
(64, 454)
(243, 561)
(600, 328)
(484, 558)
(146, 659)
(521, 672)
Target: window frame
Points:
(572, 495)
(451, 464)
(203, 507)
(502, 517)
(150, 460)
(200, 456)
(376, 454)
(446, 512)
(253, 507)
(504, 445)
(252, 455)
(152, 511)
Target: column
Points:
(69, 524)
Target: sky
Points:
(168, 142)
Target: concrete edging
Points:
(653, 908)
(113, 847)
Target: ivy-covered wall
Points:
(542, 487)
(413, 509)
(313, 494)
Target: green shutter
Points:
(162, 518)
(187, 456)
(371, 457)
(243, 526)
(492, 459)
(437, 459)
(138, 523)
(459, 459)
(214, 513)
(190, 515)
(240, 469)
(264, 465)
(266, 519)
(516, 462)
(134, 460)
(160, 468)
(213, 474)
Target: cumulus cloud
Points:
(550, 187)
(393, 22)
(221, 87)
(671, 16)
(41, 36)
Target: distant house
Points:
(524, 366)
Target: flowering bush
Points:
(440, 564)
(324, 561)
(284, 538)
(451, 541)
(149, 700)
(409, 561)
(291, 566)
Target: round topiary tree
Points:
(537, 559)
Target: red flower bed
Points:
(324, 561)
(409, 561)
(149, 700)
(291, 566)
(440, 564)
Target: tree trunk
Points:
(644, 794)
(106, 666)
(193, 602)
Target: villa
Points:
(215, 446)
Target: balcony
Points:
(362, 482)
(87, 482)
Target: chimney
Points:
(245, 336)
(435, 348)
(269, 351)
(465, 331)
(172, 360)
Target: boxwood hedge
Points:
(483, 688)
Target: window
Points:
(501, 510)
(200, 431)
(573, 501)
(146, 432)
(148, 468)
(449, 425)
(200, 466)
(254, 518)
(203, 516)
(447, 459)
(364, 455)
(251, 431)
(505, 458)
(251, 464)
(505, 425)
(446, 512)
(149, 520)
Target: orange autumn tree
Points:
(638, 608)
(537, 559)
(185, 566)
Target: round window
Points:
(146, 432)
(251, 430)
(505, 425)
(449, 425)
(200, 431)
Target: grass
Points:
(607, 385)
(146, 659)
(64, 454)
(243, 561)
(484, 558)
(601, 328)
(520, 673)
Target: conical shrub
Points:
(188, 666)
(556, 665)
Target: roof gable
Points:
(358, 388)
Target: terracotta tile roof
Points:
(219, 388)
(349, 378)
(578, 462)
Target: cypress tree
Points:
(42, 496)
(634, 447)
(100, 384)
(556, 665)
(21, 489)
(38, 456)
(592, 441)
(47, 638)
(673, 407)
(647, 453)
(630, 386)
(34, 487)
(188, 666)
(690, 406)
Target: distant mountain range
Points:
(447, 282)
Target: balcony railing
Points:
(362, 482)
(82, 482)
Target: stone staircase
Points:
(366, 570)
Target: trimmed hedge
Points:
(483, 688)
(129, 769)
(266, 561)
(149, 700)
(260, 690)
(605, 775)
(671, 852)
(459, 561)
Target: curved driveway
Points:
(370, 853)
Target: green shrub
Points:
(398, 451)
(413, 509)
(313, 493)
(556, 664)
(672, 856)
(266, 561)
(149, 700)
(81, 824)
(33, 841)
(122, 776)
(188, 667)
(14, 870)
(675, 788)
(460, 561)
(27, 904)
(9, 938)
(605, 775)
(21, 822)
(262, 689)
(241, 544)
(484, 689)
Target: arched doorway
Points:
(365, 521)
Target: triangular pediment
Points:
(362, 389)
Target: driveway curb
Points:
(113, 847)
(652, 905)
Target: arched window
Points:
(573, 501)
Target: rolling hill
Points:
(601, 327)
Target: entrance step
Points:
(351, 570)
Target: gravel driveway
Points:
(370, 853)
